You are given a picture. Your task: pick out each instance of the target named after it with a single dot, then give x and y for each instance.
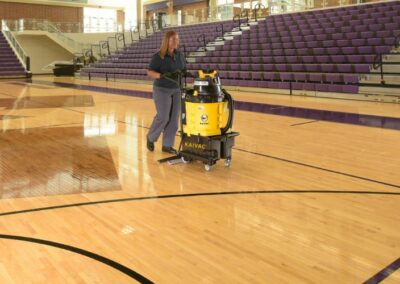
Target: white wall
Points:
(94, 38)
(91, 38)
(42, 50)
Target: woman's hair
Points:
(165, 43)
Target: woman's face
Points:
(173, 42)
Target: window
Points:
(99, 20)
(131, 15)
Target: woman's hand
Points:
(153, 74)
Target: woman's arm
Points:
(153, 74)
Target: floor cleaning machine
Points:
(206, 122)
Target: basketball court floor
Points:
(312, 195)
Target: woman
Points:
(165, 67)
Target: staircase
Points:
(10, 66)
(384, 77)
(219, 41)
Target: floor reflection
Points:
(54, 161)
(28, 102)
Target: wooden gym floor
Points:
(306, 200)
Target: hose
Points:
(231, 107)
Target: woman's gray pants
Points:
(168, 105)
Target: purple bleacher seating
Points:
(323, 50)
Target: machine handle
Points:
(231, 105)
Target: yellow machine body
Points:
(205, 119)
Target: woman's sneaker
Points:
(150, 145)
(169, 150)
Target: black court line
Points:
(171, 196)
(384, 273)
(78, 111)
(307, 122)
(259, 154)
(319, 168)
(122, 268)
(365, 120)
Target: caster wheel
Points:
(186, 160)
(228, 162)
(208, 167)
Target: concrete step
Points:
(208, 48)
(214, 43)
(253, 23)
(242, 28)
(380, 90)
(233, 33)
(197, 54)
(224, 38)
(376, 79)
(388, 68)
(393, 57)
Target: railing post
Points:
(123, 38)
(28, 63)
(222, 30)
(381, 62)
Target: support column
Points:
(139, 9)
(213, 9)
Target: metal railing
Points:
(47, 26)
(258, 10)
(220, 28)
(238, 18)
(379, 63)
(202, 39)
(22, 55)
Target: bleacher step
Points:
(388, 68)
(197, 53)
(379, 90)
(215, 43)
(376, 79)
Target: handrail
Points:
(245, 14)
(221, 30)
(87, 52)
(50, 27)
(378, 59)
(22, 55)
(258, 7)
(145, 28)
(242, 14)
(378, 63)
(104, 45)
(237, 18)
(132, 30)
(202, 38)
(95, 45)
(120, 37)
(116, 42)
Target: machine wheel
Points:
(228, 162)
(208, 167)
(186, 160)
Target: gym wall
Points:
(14, 11)
(42, 50)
